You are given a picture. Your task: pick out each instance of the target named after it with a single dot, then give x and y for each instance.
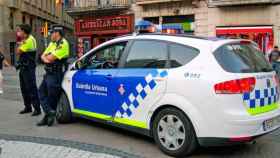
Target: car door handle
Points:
(109, 77)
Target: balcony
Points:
(74, 7)
(221, 3)
(13, 4)
(146, 2)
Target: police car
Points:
(184, 91)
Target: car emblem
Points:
(121, 89)
(268, 83)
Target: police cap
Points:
(57, 28)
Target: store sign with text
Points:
(105, 25)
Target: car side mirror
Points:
(79, 65)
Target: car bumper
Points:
(243, 129)
(215, 141)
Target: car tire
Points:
(177, 139)
(63, 111)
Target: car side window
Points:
(106, 58)
(147, 54)
(181, 55)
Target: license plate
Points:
(271, 123)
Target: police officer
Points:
(26, 51)
(54, 58)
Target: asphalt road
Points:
(84, 131)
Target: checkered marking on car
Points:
(261, 98)
(139, 93)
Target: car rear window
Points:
(242, 58)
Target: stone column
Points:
(201, 18)
(1, 22)
(137, 10)
(276, 23)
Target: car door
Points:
(141, 81)
(93, 84)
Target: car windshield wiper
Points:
(246, 70)
(266, 69)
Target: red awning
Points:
(238, 30)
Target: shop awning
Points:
(236, 30)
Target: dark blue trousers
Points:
(29, 88)
(50, 90)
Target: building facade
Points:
(37, 13)
(257, 20)
(97, 21)
(168, 14)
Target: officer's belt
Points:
(56, 67)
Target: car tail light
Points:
(236, 86)
(241, 139)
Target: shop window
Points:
(154, 20)
(181, 55)
(23, 19)
(31, 22)
(11, 21)
(147, 54)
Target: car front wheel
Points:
(174, 133)
(63, 111)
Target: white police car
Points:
(184, 91)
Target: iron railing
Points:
(76, 5)
(240, 2)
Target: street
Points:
(83, 131)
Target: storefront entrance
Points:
(174, 24)
(93, 31)
(262, 35)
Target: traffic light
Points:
(58, 1)
(45, 30)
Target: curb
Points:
(70, 144)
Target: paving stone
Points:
(18, 149)
(33, 147)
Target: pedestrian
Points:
(55, 59)
(274, 54)
(274, 58)
(27, 51)
(3, 62)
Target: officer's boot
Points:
(26, 110)
(51, 118)
(37, 111)
(44, 121)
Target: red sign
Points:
(262, 35)
(233, 30)
(105, 25)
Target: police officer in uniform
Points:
(55, 60)
(26, 51)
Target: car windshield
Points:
(242, 58)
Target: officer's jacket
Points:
(59, 49)
(29, 49)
